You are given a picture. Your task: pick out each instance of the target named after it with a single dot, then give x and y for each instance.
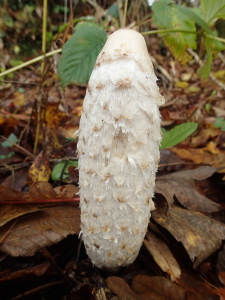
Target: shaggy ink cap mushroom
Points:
(118, 149)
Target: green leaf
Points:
(11, 138)
(10, 154)
(113, 11)
(192, 14)
(162, 13)
(169, 16)
(80, 52)
(60, 171)
(204, 70)
(213, 10)
(177, 134)
(220, 123)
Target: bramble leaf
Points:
(213, 10)
(80, 52)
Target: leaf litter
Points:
(47, 217)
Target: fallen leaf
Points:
(10, 212)
(40, 229)
(66, 191)
(17, 180)
(204, 135)
(162, 256)
(201, 156)
(163, 288)
(119, 287)
(37, 270)
(200, 235)
(220, 292)
(53, 116)
(180, 184)
(39, 192)
(40, 170)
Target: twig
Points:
(211, 76)
(37, 289)
(19, 82)
(125, 13)
(30, 62)
(18, 146)
(44, 24)
(52, 262)
(161, 69)
(120, 8)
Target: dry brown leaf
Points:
(201, 156)
(40, 229)
(37, 270)
(66, 191)
(200, 235)
(204, 135)
(162, 256)
(40, 170)
(119, 287)
(10, 212)
(39, 191)
(162, 288)
(180, 184)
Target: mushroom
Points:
(118, 148)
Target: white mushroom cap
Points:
(126, 42)
(118, 149)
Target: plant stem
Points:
(167, 31)
(215, 38)
(30, 62)
(45, 9)
(125, 14)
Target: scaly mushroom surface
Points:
(118, 148)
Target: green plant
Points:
(12, 139)
(220, 123)
(60, 170)
(80, 52)
(182, 27)
(177, 134)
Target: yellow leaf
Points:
(40, 170)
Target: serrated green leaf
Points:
(80, 52)
(177, 134)
(11, 138)
(212, 10)
(60, 171)
(168, 16)
(192, 14)
(162, 13)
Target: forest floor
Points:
(42, 257)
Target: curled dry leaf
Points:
(40, 169)
(157, 287)
(180, 184)
(200, 235)
(119, 287)
(144, 287)
(201, 156)
(162, 256)
(38, 230)
(39, 192)
(37, 270)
